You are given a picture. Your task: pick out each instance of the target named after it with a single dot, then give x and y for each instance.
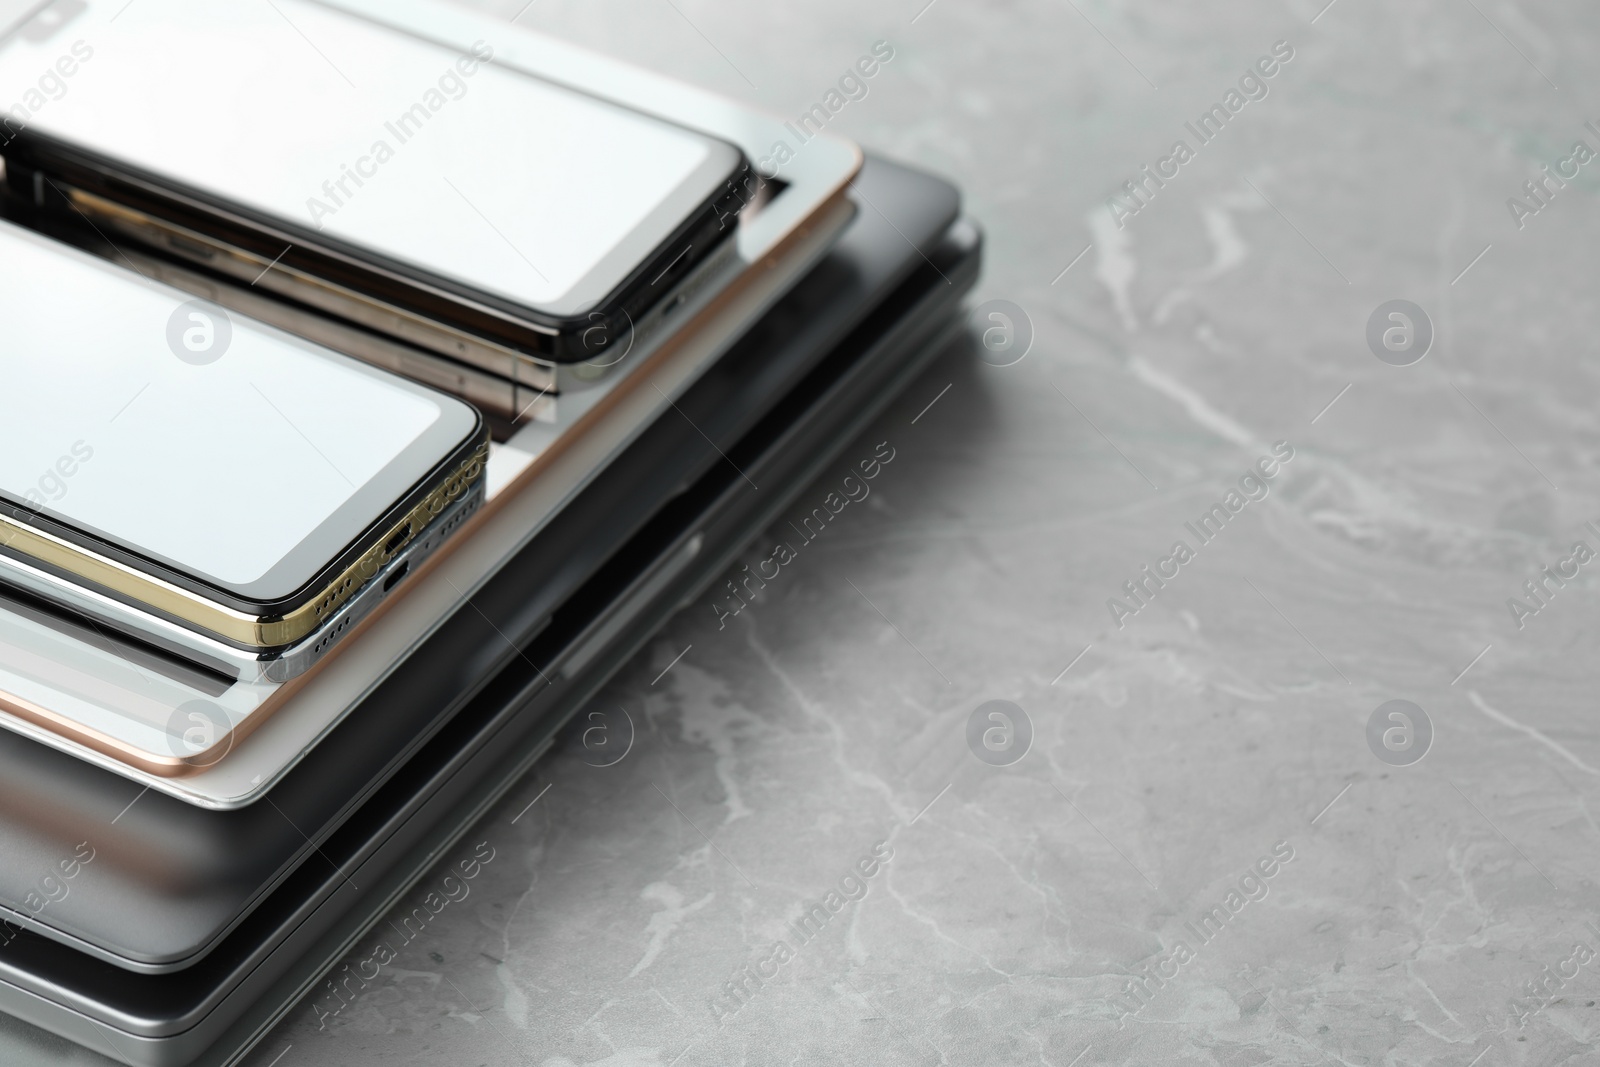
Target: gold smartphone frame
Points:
(230, 624)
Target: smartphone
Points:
(425, 192)
(161, 460)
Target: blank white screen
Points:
(222, 469)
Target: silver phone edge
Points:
(516, 398)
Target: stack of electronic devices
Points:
(375, 379)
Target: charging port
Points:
(397, 540)
(399, 573)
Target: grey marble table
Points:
(1219, 845)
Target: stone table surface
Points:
(1216, 848)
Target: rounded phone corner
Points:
(161, 764)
